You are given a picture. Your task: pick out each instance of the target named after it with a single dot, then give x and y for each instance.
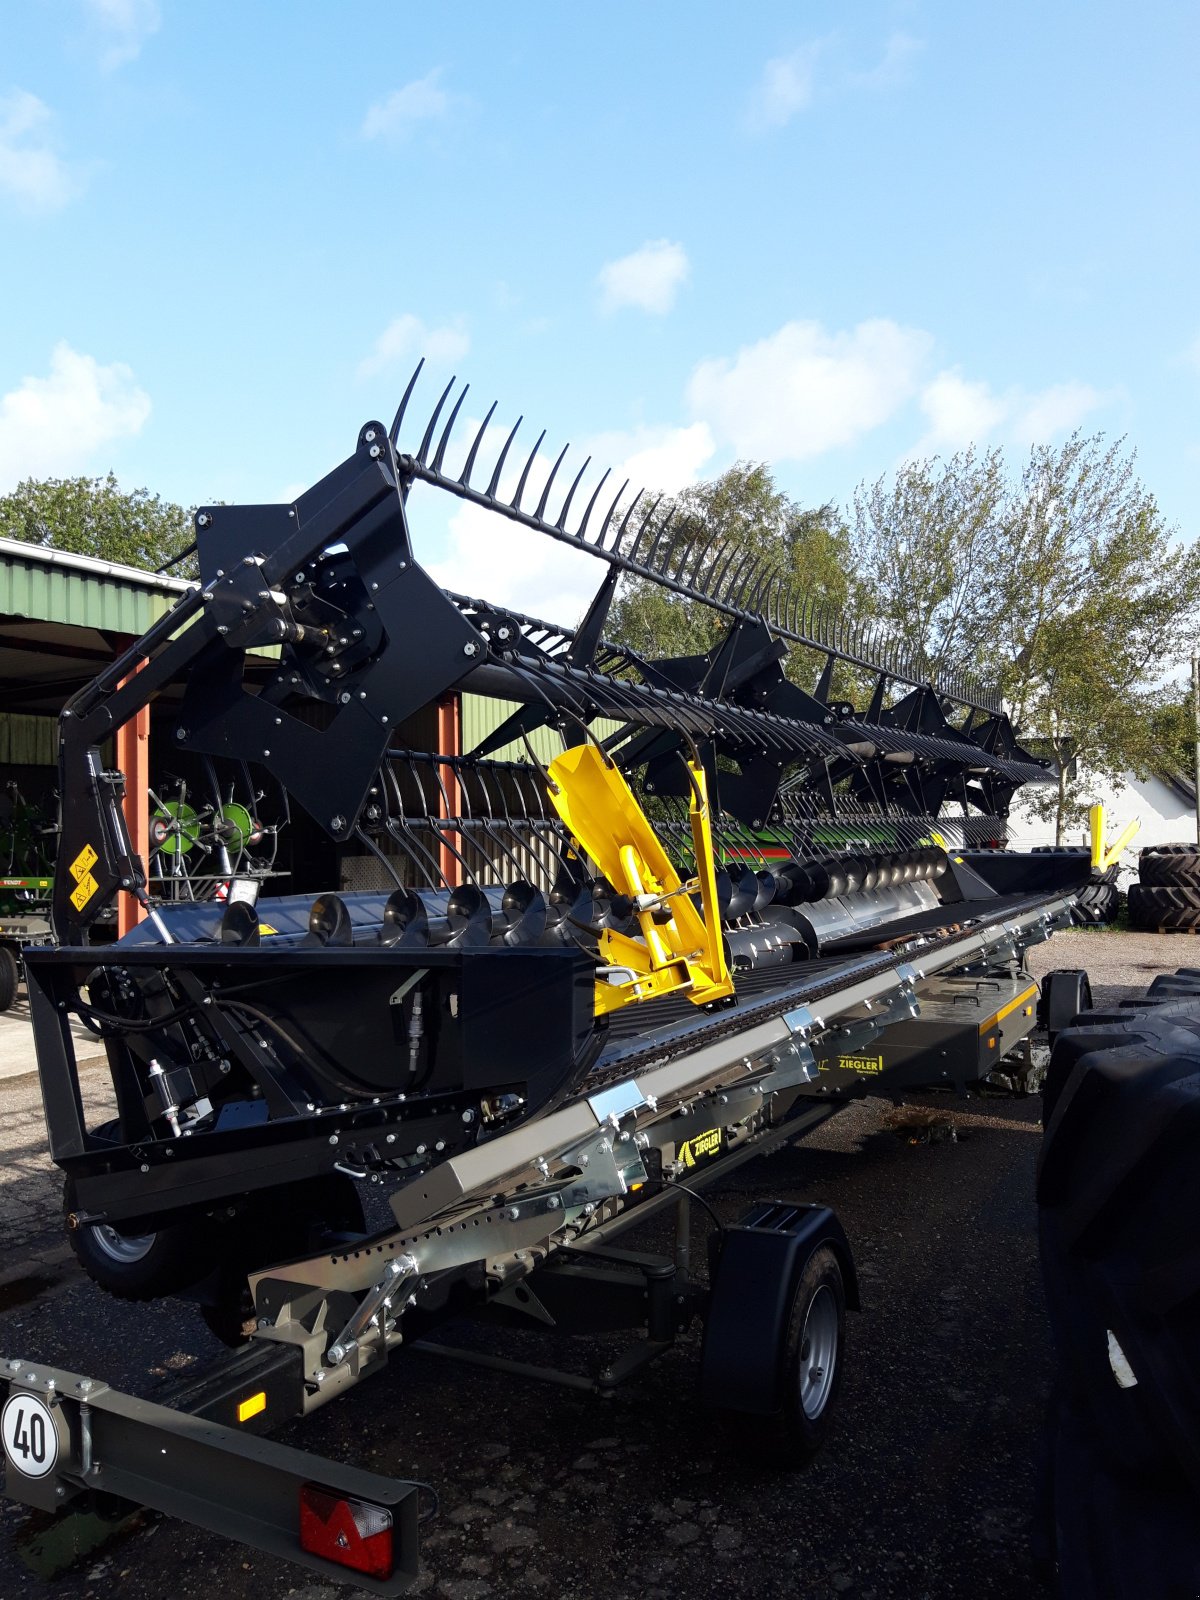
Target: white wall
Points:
(1166, 818)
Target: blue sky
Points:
(819, 235)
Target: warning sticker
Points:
(703, 1144)
(83, 890)
(82, 866)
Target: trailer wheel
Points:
(812, 1370)
(135, 1266)
(296, 1219)
(8, 977)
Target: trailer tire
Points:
(296, 1219)
(9, 977)
(813, 1353)
(134, 1266)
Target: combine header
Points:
(582, 984)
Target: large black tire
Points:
(1118, 1192)
(1170, 868)
(9, 977)
(814, 1352)
(135, 1265)
(1153, 906)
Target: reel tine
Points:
(465, 479)
(494, 480)
(394, 430)
(427, 440)
(633, 549)
(599, 539)
(541, 505)
(516, 502)
(449, 428)
(616, 545)
(588, 508)
(561, 524)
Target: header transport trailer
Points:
(581, 989)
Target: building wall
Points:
(1166, 818)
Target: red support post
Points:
(449, 729)
(133, 758)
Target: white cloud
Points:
(30, 171)
(786, 87)
(961, 412)
(648, 277)
(406, 338)
(53, 426)
(656, 459)
(422, 100)
(125, 25)
(803, 391)
(1058, 409)
(898, 56)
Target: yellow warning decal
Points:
(82, 866)
(252, 1407)
(83, 890)
(700, 1145)
(265, 927)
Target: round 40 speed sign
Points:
(29, 1434)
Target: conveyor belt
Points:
(664, 1028)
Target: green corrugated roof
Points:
(481, 716)
(53, 586)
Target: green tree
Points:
(96, 517)
(1071, 593)
(921, 543)
(719, 529)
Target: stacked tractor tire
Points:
(1168, 893)
(1099, 900)
(1119, 1223)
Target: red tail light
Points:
(354, 1533)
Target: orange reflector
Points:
(992, 1042)
(252, 1407)
(353, 1533)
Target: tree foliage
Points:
(96, 517)
(727, 523)
(1064, 585)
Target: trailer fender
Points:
(1066, 994)
(758, 1265)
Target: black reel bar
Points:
(445, 986)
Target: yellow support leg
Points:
(681, 950)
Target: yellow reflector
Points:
(252, 1407)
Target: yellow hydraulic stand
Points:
(680, 950)
(1106, 855)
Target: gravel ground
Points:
(925, 1489)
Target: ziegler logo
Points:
(863, 1064)
(699, 1146)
